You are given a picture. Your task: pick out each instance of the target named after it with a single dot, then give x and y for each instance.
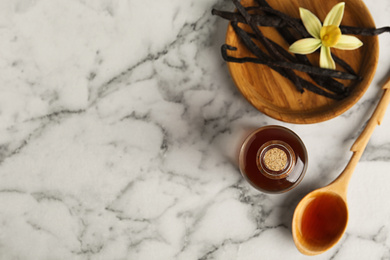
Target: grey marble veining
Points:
(119, 133)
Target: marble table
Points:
(120, 127)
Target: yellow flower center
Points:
(330, 35)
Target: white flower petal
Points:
(348, 42)
(305, 46)
(326, 60)
(335, 15)
(311, 22)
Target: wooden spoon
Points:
(321, 217)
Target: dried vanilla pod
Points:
(274, 53)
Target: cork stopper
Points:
(275, 159)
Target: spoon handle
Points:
(341, 182)
(375, 119)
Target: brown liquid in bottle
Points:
(279, 181)
(324, 220)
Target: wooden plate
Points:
(275, 95)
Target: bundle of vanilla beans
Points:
(279, 59)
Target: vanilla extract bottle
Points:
(273, 159)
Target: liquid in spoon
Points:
(323, 221)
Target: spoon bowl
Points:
(324, 218)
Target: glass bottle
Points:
(273, 159)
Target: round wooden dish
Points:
(275, 95)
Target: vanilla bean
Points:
(287, 55)
(248, 18)
(364, 31)
(260, 20)
(305, 84)
(345, 65)
(275, 65)
(324, 81)
(265, 59)
(321, 80)
(269, 47)
(279, 22)
(297, 25)
(294, 23)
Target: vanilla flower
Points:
(325, 36)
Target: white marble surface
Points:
(119, 127)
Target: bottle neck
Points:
(275, 159)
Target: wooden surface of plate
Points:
(275, 95)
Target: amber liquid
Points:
(251, 171)
(323, 221)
